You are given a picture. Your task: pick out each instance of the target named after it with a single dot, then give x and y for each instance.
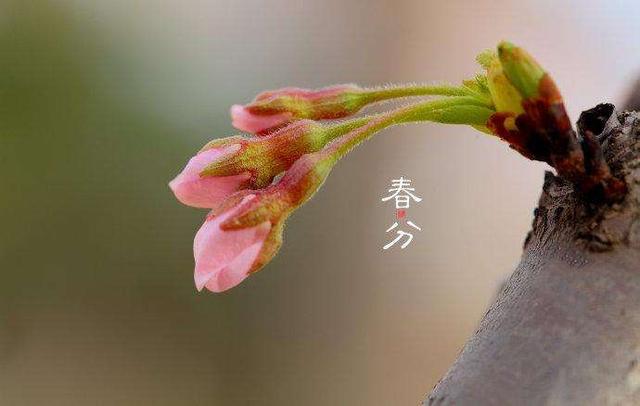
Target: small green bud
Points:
(523, 71)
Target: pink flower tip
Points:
(192, 189)
(224, 258)
(245, 120)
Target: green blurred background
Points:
(102, 103)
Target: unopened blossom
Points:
(227, 165)
(273, 109)
(224, 258)
(247, 231)
(530, 112)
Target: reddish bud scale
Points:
(545, 125)
(514, 137)
(544, 133)
(532, 132)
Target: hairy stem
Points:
(454, 110)
(393, 92)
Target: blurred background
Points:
(103, 102)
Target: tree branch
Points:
(565, 329)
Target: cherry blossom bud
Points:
(530, 112)
(268, 156)
(277, 201)
(224, 258)
(529, 77)
(225, 166)
(247, 232)
(523, 71)
(273, 109)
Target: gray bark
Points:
(565, 328)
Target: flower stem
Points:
(386, 93)
(455, 110)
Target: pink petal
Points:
(244, 120)
(206, 192)
(236, 271)
(224, 258)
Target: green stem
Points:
(454, 110)
(441, 110)
(333, 131)
(380, 94)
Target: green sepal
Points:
(270, 246)
(223, 142)
(226, 166)
(264, 207)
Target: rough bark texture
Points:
(565, 329)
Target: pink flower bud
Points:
(195, 190)
(247, 231)
(227, 165)
(224, 258)
(273, 109)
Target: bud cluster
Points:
(253, 183)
